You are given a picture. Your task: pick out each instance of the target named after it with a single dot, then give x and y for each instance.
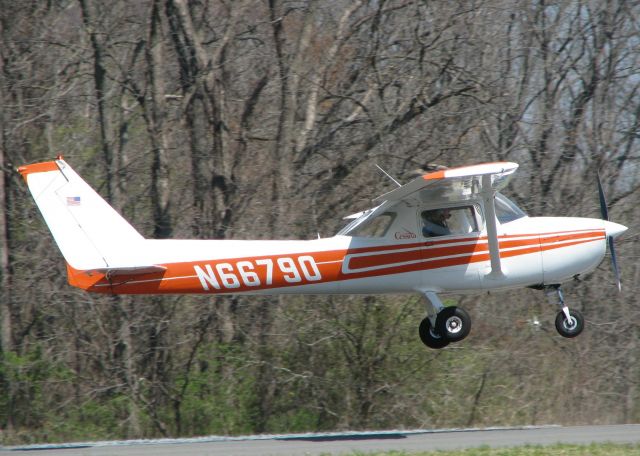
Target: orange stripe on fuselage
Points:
(377, 260)
(362, 263)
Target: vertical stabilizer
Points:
(88, 231)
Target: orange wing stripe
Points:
(434, 175)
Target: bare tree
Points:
(218, 119)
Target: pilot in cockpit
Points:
(434, 222)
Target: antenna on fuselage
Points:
(389, 176)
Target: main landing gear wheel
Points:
(430, 337)
(453, 323)
(569, 327)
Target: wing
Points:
(455, 184)
(460, 184)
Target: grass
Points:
(601, 449)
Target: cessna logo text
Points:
(406, 234)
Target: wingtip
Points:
(434, 175)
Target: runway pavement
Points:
(339, 443)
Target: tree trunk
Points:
(156, 114)
(6, 339)
(100, 87)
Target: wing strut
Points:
(489, 197)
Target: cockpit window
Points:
(375, 227)
(448, 220)
(506, 210)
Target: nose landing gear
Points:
(443, 325)
(569, 323)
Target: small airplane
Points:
(448, 231)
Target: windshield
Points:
(375, 226)
(506, 210)
(355, 221)
(366, 226)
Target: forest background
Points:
(251, 119)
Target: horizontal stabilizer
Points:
(134, 270)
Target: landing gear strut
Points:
(443, 325)
(569, 323)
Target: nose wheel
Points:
(569, 326)
(569, 323)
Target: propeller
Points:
(612, 231)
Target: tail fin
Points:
(90, 234)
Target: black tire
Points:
(453, 323)
(572, 328)
(430, 337)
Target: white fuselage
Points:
(533, 251)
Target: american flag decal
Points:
(73, 201)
